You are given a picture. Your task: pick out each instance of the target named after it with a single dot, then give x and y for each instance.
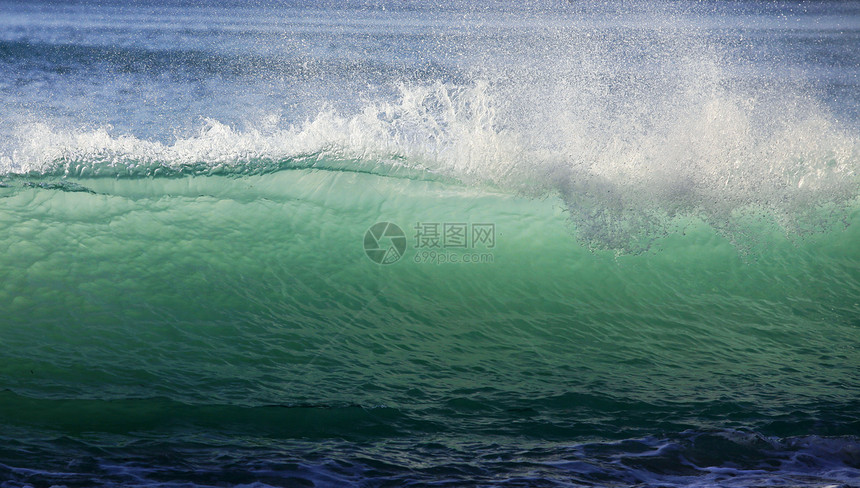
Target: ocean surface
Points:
(414, 243)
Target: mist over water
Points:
(671, 297)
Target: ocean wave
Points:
(625, 176)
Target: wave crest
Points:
(710, 151)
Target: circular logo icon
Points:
(384, 243)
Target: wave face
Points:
(381, 244)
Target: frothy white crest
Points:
(625, 155)
(437, 127)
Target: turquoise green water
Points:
(239, 314)
(255, 290)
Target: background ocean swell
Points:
(187, 300)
